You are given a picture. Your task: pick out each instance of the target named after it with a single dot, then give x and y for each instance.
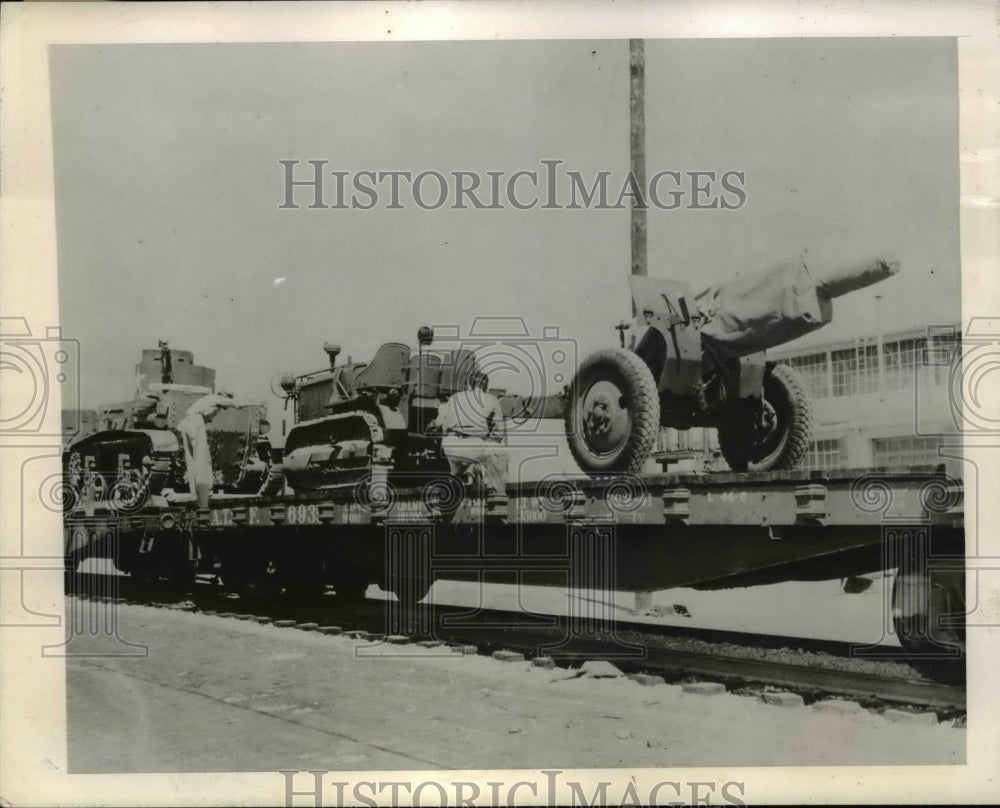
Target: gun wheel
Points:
(613, 414)
(774, 434)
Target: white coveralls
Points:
(194, 435)
(472, 423)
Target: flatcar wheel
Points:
(410, 617)
(350, 592)
(263, 585)
(183, 574)
(143, 570)
(70, 564)
(305, 592)
(252, 578)
(303, 578)
(928, 613)
(410, 591)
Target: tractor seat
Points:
(387, 369)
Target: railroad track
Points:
(742, 662)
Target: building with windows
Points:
(878, 402)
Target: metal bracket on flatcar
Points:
(277, 513)
(576, 506)
(327, 512)
(496, 508)
(810, 504)
(676, 505)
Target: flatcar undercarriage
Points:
(615, 534)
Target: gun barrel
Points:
(756, 312)
(834, 283)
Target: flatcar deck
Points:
(844, 498)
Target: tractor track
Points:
(812, 668)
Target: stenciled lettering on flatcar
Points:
(352, 514)
(728, 496)
(407, 510)
(302, 514)
(257, 515)
(221, 517)
(531, 509)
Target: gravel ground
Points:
(790, 655)
(218, 694)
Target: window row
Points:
(855, 371)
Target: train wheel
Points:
(613, 414)
(350, 592)
(264, 584)
(303, 576)
(410, 616)
(252, 577)
(928, 615)
(70, 564)
(143, 570)
(410, 591)
(182, 574)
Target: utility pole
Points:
(879, 344)
(637, 152)
(637, 145)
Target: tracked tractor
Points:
(371, 420)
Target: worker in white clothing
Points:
(473, 429)
(194, 433)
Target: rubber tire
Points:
(785, 390)
(633, 376)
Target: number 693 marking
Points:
(302, 514)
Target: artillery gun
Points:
(701, 361)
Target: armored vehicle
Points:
(133, 456)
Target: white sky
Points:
(168, 187)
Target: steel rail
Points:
(531, 634)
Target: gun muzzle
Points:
(839, 282)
